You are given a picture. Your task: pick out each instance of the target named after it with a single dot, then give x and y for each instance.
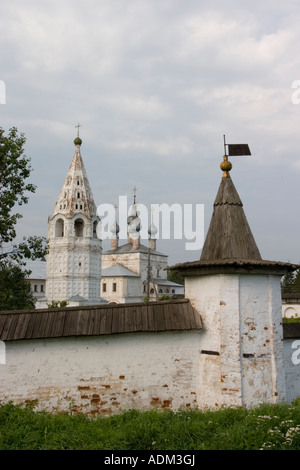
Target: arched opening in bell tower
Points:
(78, 227)
(60, 228)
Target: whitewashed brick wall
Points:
(104, 374)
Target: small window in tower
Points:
(78, 182)
(79, 264)
(81, 206)
(104, 287)
(42, 288)
(114, 287)
(78, 195)
(76, 206)
(35, 287)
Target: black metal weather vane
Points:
(232, 150)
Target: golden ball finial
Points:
(225, 166)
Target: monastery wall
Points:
(104, 374)
(112, 373)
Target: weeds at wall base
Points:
(268, 427)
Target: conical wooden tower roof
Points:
(229, 235)
(229, 246)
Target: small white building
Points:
(291, 305)
(133, 272)
(37, 279)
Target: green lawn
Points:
(265, 427)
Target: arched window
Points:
(78, 227)
(59, 228)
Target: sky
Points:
(155, 85)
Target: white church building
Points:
(133, 272)
(77, 272)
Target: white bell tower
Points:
(74, 258)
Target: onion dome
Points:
(152, 230)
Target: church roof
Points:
(76, 194)
(37, 268)
(166, 282)
(129, 248)
(118, 270)
(173, 315)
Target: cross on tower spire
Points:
(78, 140)
(134, 194)
(78, 125)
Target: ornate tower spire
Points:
(115, 229)
(152, 231)
(74, 259)
(133, 222)
(76, 194)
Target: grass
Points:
(264, 427)
(291, 320)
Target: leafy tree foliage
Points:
(15, 291)
(175, 277)
(15, 170)
(291, 282)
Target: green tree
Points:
(15, 170)
(174, 276)
(287, 282)
(15, 291)
(296, 284)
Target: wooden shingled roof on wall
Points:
(99, 320)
